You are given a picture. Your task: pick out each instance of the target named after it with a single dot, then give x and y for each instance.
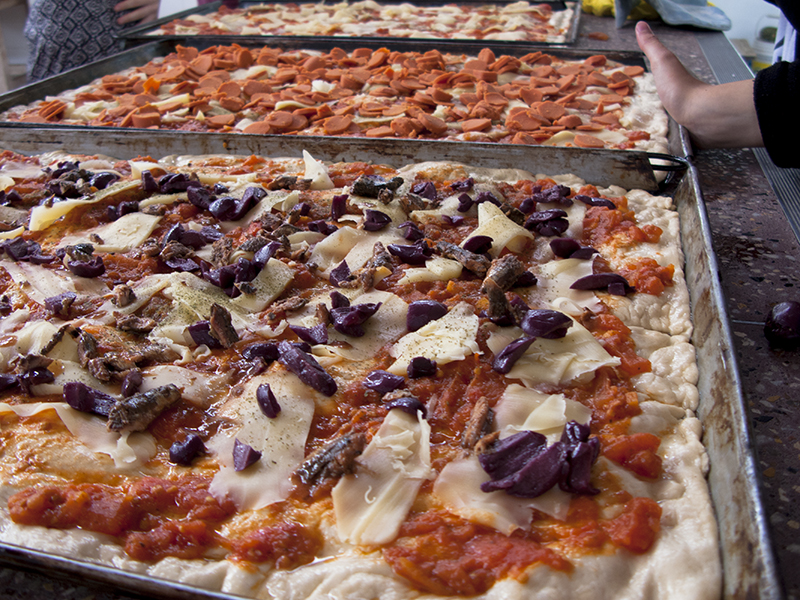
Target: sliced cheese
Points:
(355, 246)
(281, 440)
(317, 172)
(43, 216)
(435, 269)
(554, 281)
(129, 450)
(524, 409)
(445, 340)
(12, 233)
(371, 504)
(503, 231)
(560, 361)
(458, 487)
(201, 389)
(122, 235)
(39, 283)
(269, 284)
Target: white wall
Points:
(747, 17)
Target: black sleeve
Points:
(776, 93)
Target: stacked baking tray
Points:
(148, 31)
(749, 568)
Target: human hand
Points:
(716, 116)
(141, 11)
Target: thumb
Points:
(649, 43)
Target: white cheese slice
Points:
(458, 487)
(503, 231)
(435, 269)
(352, 245)
(282, 200)
(122, 235)
(281, 440)
(554, 281)
(12, 233)
(445, 340)
(201, 389)
(371, 504)
(6, 182)
(524, 409)
(129, 450)
(559, 361)
(269, 284)
(44, 216)
(39, 283)
(317, 172)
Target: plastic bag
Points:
(698, 13)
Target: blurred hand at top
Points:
(141, 11)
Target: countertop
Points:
(759, 265)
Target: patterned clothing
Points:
(64, 34)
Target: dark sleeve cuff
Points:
(776, 92)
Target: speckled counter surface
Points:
(759, 263)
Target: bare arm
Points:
(717, 116)
(141, 11)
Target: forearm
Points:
(721, 116)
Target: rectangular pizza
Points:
(538, 98)
(504, 21)
(281, 378)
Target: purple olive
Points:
(422, 312)
(200, 333)
(383, 382)
(306, 368)
(479, 244)
(487, 197)
(547, 324)
(187, 237)
(455, 220)
(419, 366)
(615, 284)
(338, 300)
(584, 253)
(149, 184)
(266, 252)
(782, 327)
(409, 405)
(313, 335)
(463, 185)
(131, 383)
(267, 401)
(411, 231)
(508, 356)
(224, 277)
(527, 206)
(589, 201)
(59, 305)
(322, 227)
(544, 467)
(244, 270)
(224, 208)
(526, 279)
(558, 194)
(564, 247)
(182, 265)
(349, 320)
(338, 206)
(103, 179)
(173, 183)
(375, 220)
(465, 202)
(340, 274)
(86, 399)
(411, 254)
(87, 268)
(244, 455)
(268, 351)
(426, 189)
(184, 451)
(201, 197)
(8, 381)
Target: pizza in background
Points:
(285, 378)
(532, 99)
(516, 21)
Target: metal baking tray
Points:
(128, 142)
(749, 568)
(144, 33)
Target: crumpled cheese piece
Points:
(371, 504)
(128, 449)
(503, 231)
(524, 409)
(317, 172)
(445, 340)
(43, 216)
(281, 441)
(458, 487)
(558, 361)
(435, 269)
(122, 235)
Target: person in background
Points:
(764, 111)
(64, 34)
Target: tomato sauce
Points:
(602, 226)
(647, 276)
(288, 545)
(615, 337)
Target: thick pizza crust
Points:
(687, 543)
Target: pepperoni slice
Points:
(220, 120)
(279, 120)
(377, 132)
(475, 125)
(259, 127)
(633, 71)
(230, 88)
(570, 121)
(588, 141)
(145, 119)
(433, 124)
(551, 110)
(337, 124)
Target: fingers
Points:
(648, 42)
(140, 11)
